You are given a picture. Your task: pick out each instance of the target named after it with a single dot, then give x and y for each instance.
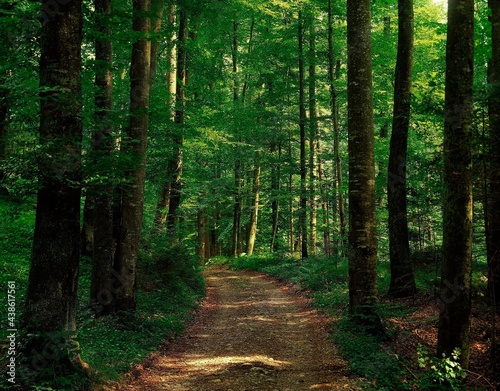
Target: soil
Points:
(250, 333)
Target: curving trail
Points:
(250, 334)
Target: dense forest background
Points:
(140, 140)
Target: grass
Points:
(166, 299)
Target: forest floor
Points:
(250, 333)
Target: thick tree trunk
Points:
(494, 177)
(402, 279)
(101, 289)
(313, 138)
(254, 207)
(133, 195)
(303, 158)
(175, 163)
(454, 318)
(49, 318)
(363, 293)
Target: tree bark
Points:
(363, 294)
(494, 176)
(175, 163)
(132, 202)
(313, 138)
(101, 289)
(402, 278)
(160, 219)
(275, 188)
(303, 158)
(254, 207)
(49, 318)
(336, 129)
(454, 318)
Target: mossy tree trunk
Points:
(454, 318)
(49, 318)
(402, 278)
(363, 293)
(132, 201)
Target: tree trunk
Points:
(101, 289)
(275, 189)
(454, 318)
(254, 207)
(160, 219)
(302, 126)
(175, 163)
(336, 129)
(49, 318)
(363, 293)
(313, 138)
(402, 279)
(494, 177)
(133, 194)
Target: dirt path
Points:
(251, 334)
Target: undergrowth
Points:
(169, 287)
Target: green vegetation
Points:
(110, 345)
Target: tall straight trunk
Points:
(160, 218)
(101, 290)
(132, 201)
(454, 318)
(336, 129)
(275, 188)
(494, 177)
(203, 249)
(238, 202)
(49, 318)
(363, 294)
(302, 127)
(402, 278)
(313, 138)
(157, 7)
(254, 207)
(291, 225)
(324, 203)
(175, 163)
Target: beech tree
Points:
(402, 279)
(362, 253)
(454, 318)
(49, 318)
(132, 197)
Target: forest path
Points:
(251, 333)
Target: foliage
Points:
(440, 373)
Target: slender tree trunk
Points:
(157, 7)
(101, 289)
(132, 201)
(302, 126)
(254, 207)
(164, 197)
(313, 138)
(402, 279)
(275, 189)
(203, 234)
(494, 177)
(454, 318)
(49, 318)
(363, 294)
(175, 163)
(336, 129)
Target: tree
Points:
(302, 127)
(175, 162)
(101, 289)
(132, 200)
(49, 318)
(454, 318)
(362, 235)
(402, 279)
(494, 114)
